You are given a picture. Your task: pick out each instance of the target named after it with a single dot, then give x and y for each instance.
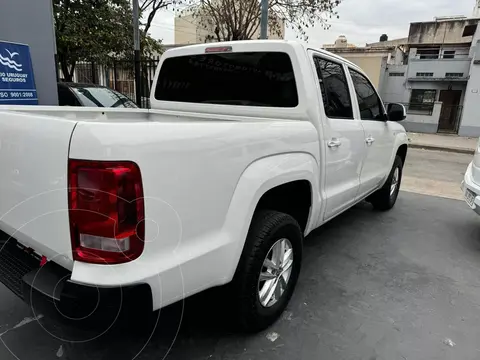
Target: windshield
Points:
(102, 97)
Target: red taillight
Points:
(106, 211)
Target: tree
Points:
(95, 30)
(151, 7)
(240, 19)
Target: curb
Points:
(441, 148)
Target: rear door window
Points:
(248, 79)
(334, 87)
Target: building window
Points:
(457, 75)
(396, 74)
(422, 101)
(428, 53)
(469, 30)
(424, 74)
(449, 54)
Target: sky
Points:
(361, 21)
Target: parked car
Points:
(471, 182)
(76, 94)
(250, 146)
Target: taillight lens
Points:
(106, 211)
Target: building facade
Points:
(470, 121)
(373, 59)
(434, 72)
(191, 30)
(432, 79)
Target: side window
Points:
(369, 103)
(334, 86)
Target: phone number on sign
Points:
(16, 94)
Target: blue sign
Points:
(17, 84)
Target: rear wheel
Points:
(385, 198)
(268, 269)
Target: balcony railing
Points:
(439, 69)
(440, 56)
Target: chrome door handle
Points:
(370, 140)
(334, 143)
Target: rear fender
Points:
(256, 180)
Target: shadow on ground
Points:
(394, 285)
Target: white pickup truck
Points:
(249, 147)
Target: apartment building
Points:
(433, 78)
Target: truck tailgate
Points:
(33, 183)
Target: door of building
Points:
(450, 113)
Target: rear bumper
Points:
(470, 184)
(49, 290)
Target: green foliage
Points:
(95, 30)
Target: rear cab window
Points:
(236, 78)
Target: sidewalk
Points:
(442, 142)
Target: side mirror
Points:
(396, 112)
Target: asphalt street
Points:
(435, 173)
(404, 284)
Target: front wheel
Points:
(385, 198)
(268, 269)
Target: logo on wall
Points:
(17, 83)
(9, 61)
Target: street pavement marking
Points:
(445, 189)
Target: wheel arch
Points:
(402, 152)
(260, 185)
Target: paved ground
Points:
(398, 285)
(435, 173)
(448, 142)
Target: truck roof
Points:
(270, 43)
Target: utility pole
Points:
(264, 20)
(136, 50)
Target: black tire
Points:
(383, 199)
(266, 229)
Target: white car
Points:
(471, 182)
(248, 147)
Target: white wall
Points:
(427, 119)
(394, 88)
(399, 89)
(424, 123)
(470, 121)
